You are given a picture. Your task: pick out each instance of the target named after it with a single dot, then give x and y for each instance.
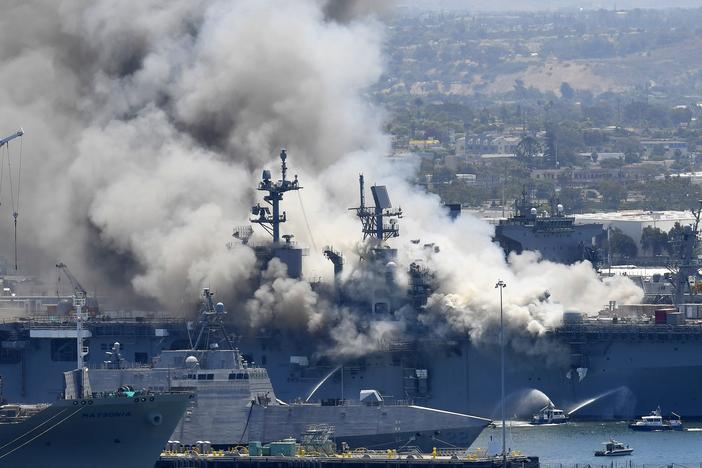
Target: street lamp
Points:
(501, 285)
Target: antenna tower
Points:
(373, 217)
(270, 221)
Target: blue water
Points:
(575, 443)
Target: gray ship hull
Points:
(643, 367)
(102, 432)
(231, 411)
(373, 427)
(625, 374)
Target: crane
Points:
(79, 299)
(15, 207)
(9, 138)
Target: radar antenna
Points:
(212, 329)
(263, 216)
(373, 217)
(243, 233)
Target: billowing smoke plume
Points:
(148, 124)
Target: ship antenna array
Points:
(14, 201)
(372, 218)
(212, 325)
(270, 218)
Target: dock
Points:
(227, 459)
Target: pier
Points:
(234, 460)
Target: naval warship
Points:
(615, 366)
(235, 402)
(84, 429)
(88, 429)
(554, 235)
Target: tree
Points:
(621, 245)
(612, 194)
(632, 157)
(567, 91)
(527, 149)
(653, 240)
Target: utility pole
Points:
(501, 285)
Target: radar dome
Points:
(219, 308)
(192, 360)
(559, 207)
(533, 211)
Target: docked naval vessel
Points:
(86, 429)
(236, 402)
(555, 235)
(614, 366)
(83, 428)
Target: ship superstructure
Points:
(270, 218)
(554, 235)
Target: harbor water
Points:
(568, 445)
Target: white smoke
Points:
(148, 124)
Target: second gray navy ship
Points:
(236, 403)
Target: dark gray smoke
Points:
(148, 123)
(344, 11)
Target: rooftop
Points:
(637, 215)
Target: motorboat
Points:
(614, 449)
(549, 414)
(656, 422)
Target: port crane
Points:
(9, 138)
(15, 206)
(79, 300)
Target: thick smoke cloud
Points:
(148, 124)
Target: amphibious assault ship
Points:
(617, 365)
(554, 235)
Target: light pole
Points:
(501, 285)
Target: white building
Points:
(633, 222)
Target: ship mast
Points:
(373, 217)
(687, 265)
(79, 301)
(267, 220)
(212, 330)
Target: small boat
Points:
(614, 449)
(655, 422)
(549, 414)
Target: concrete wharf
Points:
(228, 460)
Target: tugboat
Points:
(655, 422)
(549, 414)
(614, 449)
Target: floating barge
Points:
(227, 459)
